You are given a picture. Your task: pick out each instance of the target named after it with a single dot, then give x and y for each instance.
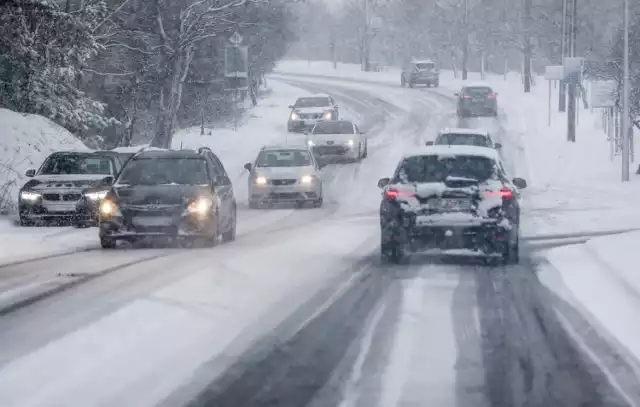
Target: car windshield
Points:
(454, 139)
(74, 163)
(434, 168)
(284, 158)
(313, 102)
(331, 127)
(162, 171)
(425, 65)
(478, 91)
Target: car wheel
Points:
(494, 113)
(214, 238)
(230, 235)
(364, 155)
(437, 84)
(511, 254)
(318, 203)
(26, 221)
(392, 252)
(402, 82)
(411, 84)
(107, 243)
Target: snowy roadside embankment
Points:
(27, 139)
(600, 279)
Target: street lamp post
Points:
(625, 97)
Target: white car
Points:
(464, 137)
(287, 174)
(337, 140)
(308, 111)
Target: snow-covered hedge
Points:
(25, 141)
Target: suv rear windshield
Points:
(434, 168)
(478, 91)
(163, 171)
(454, 139)
(425, 65)
(331, 127)
(77, 163)
(312, 102)
(283, 158)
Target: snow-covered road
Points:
(298, 311)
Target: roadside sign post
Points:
(236, 67)
(553, 73)
(573, 68)
(603, 96)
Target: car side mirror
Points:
(248, 167)
(520, 183)
(383, 182)
(335, 107)
(30, 173)
(456, 94)
(429, 143)
(498, 146)
(321, 165)
(108, 180)
(290, 106)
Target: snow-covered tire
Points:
(511, 254)
(411, 84)
(107, 243)
(318, 203)
(365, 153)
(230, 235)
(26, 221)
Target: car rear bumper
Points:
(425, 79)
(486, 238)
(303, 124)
(335, 152)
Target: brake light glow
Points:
(393, 193)
(505, 193)
(492, 96)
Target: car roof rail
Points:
(203, 150)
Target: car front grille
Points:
(51, 197)
(311, 116)
(71, 197)
(283, 181)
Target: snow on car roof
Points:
(451, 151)
(450, 130)
(300, 147)
(132, 149)
(422, 61)
(476, 85)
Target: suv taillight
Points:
(393, 193)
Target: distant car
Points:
(420, 73)
(54, 190)
(177, 194)
(451, 197)
(89, 204)
(464, 137)
(477, 100)
(337, 140)
(285, 174)
(308, 111)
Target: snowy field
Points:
(159, 324)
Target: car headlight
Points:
(295, 116)
(30, 196)
(310, 143)
(96, 196)
(306, 179)
(260, 180)
(351, 143)
(108, 208)
(328, 115)
(201, 206)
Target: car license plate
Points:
(452, 204)
(152, 221)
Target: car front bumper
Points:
(138, 224)
(44, 210)
(285, 193)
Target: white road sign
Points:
(554, 73)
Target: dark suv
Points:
(447, 198)
(420, 73)
(477, 100)
(181, 194)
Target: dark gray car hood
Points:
(66, 181)
(172, 194)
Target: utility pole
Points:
(527, 46)
(367, 38)
(562, 105)
(465, 44)
(571, 113)
(625, 97)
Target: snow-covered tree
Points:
(42, 52)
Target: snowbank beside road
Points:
(601, 280)
(26, 141)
